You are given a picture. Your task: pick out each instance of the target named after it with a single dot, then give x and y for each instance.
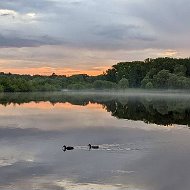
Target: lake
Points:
(143, 138)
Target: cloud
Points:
(31, 15)
(129, 25)
(76, 17)
(169, 19)
(25, 41)
(16, 15)
(24, 6)
(169, 53)
(107, 27)
(6, 12)
(122, 32)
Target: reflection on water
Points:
(161, 109)
(134, 152)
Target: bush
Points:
(123, 83)
(100, 84)
(149, 85)
(1, 88)
(76, 86)
(144, 82)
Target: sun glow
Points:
(58, 71)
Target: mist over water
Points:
(143, 140)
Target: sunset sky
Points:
(88, 36)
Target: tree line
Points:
(160, 73)
(164, 73)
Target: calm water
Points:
(144, 141)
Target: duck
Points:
(93, 146)
(64, 148)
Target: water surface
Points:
(143, 138)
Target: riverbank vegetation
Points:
(160, 73)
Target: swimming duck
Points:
(93, 146)
(64, 148)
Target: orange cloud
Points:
(169, 53)
(59, 71)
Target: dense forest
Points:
(161, 73)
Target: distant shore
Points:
(161, 73)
